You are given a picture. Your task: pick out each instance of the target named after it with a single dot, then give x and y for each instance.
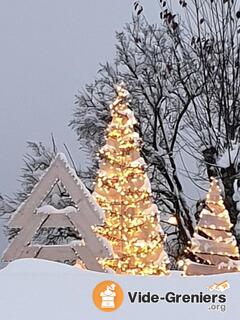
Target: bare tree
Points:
(183, 76)
(209, 31)
(147, 63)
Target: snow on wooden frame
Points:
(213, 248)
(29, 219)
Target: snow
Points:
(77, 243)
(229, 157)
(237, 226)
(146, 185)
(205, 212)
(153, 210)
(138, 162)
(55, 199)
(222, 265)
(108, 148)
(132, 120)
(173, 221)
(48, 209)
(236, 195)
(63, 157)
(44, 290)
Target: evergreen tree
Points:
(123, 190)
(36, 162)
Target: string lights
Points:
(213, 248)
(123, 190)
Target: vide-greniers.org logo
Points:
(216, 301)
(171, 297)
(108, 296)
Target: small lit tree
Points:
(123, 190)
(213, 248)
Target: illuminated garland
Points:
(213, 249)
(123, 190)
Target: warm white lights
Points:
(123, 190)
(213, 247)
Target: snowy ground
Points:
(42, 290)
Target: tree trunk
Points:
(227, 175)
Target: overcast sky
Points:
(49, 50)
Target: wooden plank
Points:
(211, 246)
(26, 252)
(197, 269)
(34, 200)
(207, 221)
(57, 220)
(213, 259)
(89, 214)
(216, 208)
(88, 258)
(87, 210)
(80, 264)
(81, 199)
(216, 234)
(30, 252)
(24, 237)
(92, 242)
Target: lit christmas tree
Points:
(213, 248)
(123, 190)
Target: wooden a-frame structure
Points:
(86, 214)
